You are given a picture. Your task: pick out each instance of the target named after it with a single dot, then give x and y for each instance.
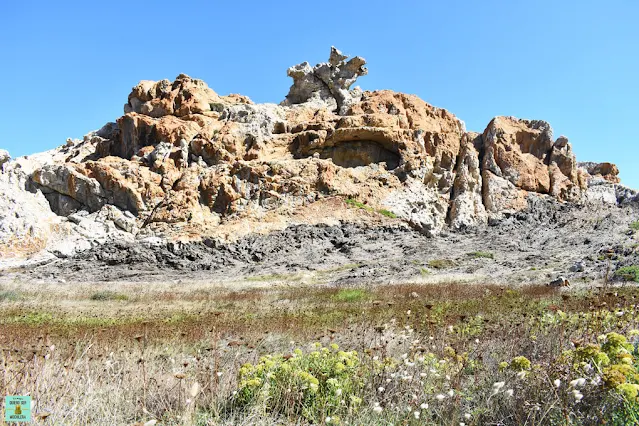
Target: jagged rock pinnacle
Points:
(327, 81)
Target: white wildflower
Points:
(557, 383)
(451, 393)
(440, 397)
(381, 389)
(497, 386)
(424, 406)
(377, 409)
(578, 382)
(416, 415)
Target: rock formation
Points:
(184, 161)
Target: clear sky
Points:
(67, 67)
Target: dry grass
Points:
(140, 356)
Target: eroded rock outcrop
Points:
(328, 81)
(183, 160)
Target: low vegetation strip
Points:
(406, 354)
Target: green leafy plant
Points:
(628, 273)
(324, 383)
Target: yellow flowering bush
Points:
(324, 382)
(520, 363)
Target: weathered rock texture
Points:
(184, 161)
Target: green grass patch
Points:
(424, 271)
(9, 296)
(628, 273)
(358, 204)
(441, 263)
(387, 213)
(635, 225)
(351, 295)
(354, 203)
(482, 254)
(104, 296)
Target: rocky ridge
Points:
(186, 164)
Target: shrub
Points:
(635, 225)
(520, 363)
(325, 382)
(482, 254)
(102, 296)
(628, 273)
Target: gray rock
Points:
(120, 220)
(4, 157)
(66, 181)
(160, 152)
(578, 267)
(559, 282)
(467, 207)
(328, 81)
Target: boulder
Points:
(607, 171)
(517, 151)
(559, 282)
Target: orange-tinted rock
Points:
(608, 171)
(184, 155)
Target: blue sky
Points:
(67, 67)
